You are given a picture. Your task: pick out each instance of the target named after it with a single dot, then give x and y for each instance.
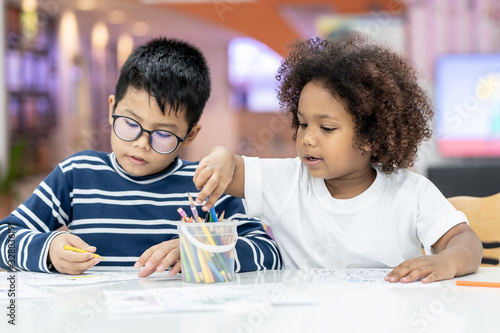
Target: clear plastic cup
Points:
(207, 251)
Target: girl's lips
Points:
(136, 160)
(311, 161)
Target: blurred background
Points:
(60, 59)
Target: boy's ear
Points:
(194, 132)
(111, 101)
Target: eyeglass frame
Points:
(179, 139)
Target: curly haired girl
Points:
(348, 199)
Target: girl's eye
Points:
(328, 129)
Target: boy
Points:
(124, 204)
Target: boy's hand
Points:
(69, 262)
(159, 257)
(213, 175)
(428, 268)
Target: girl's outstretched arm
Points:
(459, 252)
(219, 172)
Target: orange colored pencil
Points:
(477, 284)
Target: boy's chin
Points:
(136, 173)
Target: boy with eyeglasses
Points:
(123, 205)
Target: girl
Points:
(348, 200)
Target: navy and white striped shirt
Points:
(120, 214)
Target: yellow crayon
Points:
(75, 249)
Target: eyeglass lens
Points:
(128, 129)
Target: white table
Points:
(364, 309)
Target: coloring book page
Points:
(356, 277)
(14, 289)
(57, 279)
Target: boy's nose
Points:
(143, 141)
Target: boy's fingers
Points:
(175, 269)
(144, 257)
(160, 253)
(148, 269)
(76, 268)
(75, 257)
(165, 254)
(79, 243)
(145, 272)
(170, 259)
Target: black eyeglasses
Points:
(162, 142)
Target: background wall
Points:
(91, 39)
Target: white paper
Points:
(57, 279)
(357, 277)
(20, 290)
(203, 298)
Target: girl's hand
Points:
(69, 262)
(427, 269)
(213, 175)
(159, 257)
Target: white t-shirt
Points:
(381, 227)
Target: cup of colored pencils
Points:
(207, 248)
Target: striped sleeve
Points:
(255, 249)
(26, 234)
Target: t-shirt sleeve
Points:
(253, 186)
(436, 215)
(26, 234)
(268, 184)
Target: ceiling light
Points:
(100, 35)
(29, 5)
(116, 16)
(86, 4)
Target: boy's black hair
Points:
(379, 88)
(172, 71)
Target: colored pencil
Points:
(213, 215)
(185, 264)
(477, 284)
(187, 250)
(204, 268)
(183, 214)
(212, 267)
(193, 208)
(75, 249)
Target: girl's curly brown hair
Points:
(391, 112)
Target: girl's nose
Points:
(308, 139)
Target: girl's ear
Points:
(192, 135)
